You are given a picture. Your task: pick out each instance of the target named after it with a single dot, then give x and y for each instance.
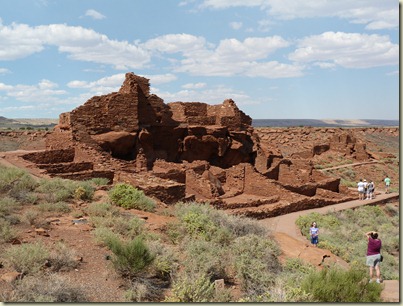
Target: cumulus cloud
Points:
(213, 95)
(375, 14)
(172, 43)
(94, 14)
(233, 57)
(112, 83)
(44, 91)
(194, 85)
(20, 40)
(349, 50)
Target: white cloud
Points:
(235, 25)
(376, 14)
(94, 14)
(20, 40)
(349, 50)
(161, 78)
(112, 83)
(194, 85)
(222, 4)
(172, 43)
(214, 95)
(102, 86)
(233, 57)
(42, 92)
(4, 71)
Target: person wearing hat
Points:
(365, 188)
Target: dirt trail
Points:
(294, 244)
(351, 165)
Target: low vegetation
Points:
(343, 233)
(188, 257)
(127, 196)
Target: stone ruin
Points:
(183, 151)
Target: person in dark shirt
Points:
(374, 255)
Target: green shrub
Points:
(202, 220)
(208, 258)
(130, 257)
(8, 205)
(7, 232)
(192, 289)
(144, 290)
(45, 289)
(165, 263)
(62, 258)
(125, 227)
(33, 217)
(101, 210)
(27, 258)
(104, 235)
(99, 181)
(17, 183)
(57, 189)
(84, 191)
(59, 207)
(339, 286)
(127, 196)
(256, 263)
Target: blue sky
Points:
(277, 59)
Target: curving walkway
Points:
(294, 244)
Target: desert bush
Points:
(59, 207)
(130, 257)
(47, 288)
(256, 263)
(62, 258)
(104, 236)
(206, 257)
(7, 232)
(143, 290)
(202, 220)
(341, 286)
(166, 262)
(27, 258)
(127, 196)
(84, 190)
(125, 227)
(33, 217)
(57, 189)
(99, 181)
(8, 205)
(102, 210)
(195, 288)
(15, 179)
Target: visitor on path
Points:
(387, 184)
(374, 255)
(370, 190)
(365, 187)
(314, 232)
(361, 190)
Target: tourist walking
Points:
(314, 232)
(387, 184)
(374, 255)
(370, 190)
(361, 190)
